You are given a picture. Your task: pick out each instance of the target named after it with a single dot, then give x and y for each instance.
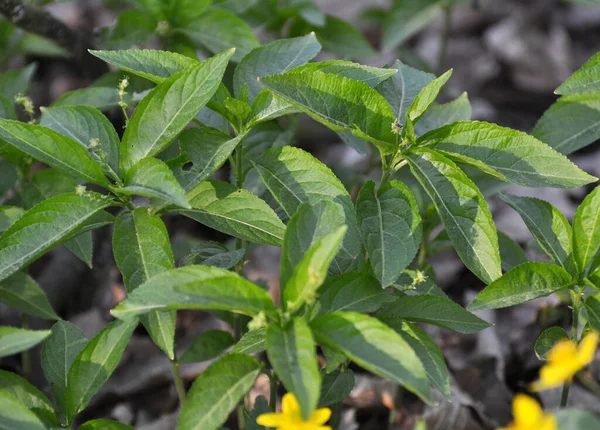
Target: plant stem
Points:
(445, 36)
(25, 355)
(178, 381)
(273, 392)
(336, 416)
(576, 300)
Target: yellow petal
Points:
(527, 411)
(564, 350)
(548, 423)
(587, 348)
(553, 375)
(271, 420)
(290, 406)
(320, 416)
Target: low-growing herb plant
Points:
(355, 275)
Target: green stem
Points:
(576, 300)
(445, 36)
(26, 355)
(178, 381)
(273, 392)
(336, 416)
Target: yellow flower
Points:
(529, 415)
(565, 360)
(290, 417)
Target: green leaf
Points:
(333, 359)
(45, 226)
(547, 340)
(225, 208)
(142, 250)
(208, 149)
(14, 82)
(336, 387)
(463, 211)
(525, 282)
(45, 184)
(511, 252)
(86, 126)
(151, 177)
(133, 27)
(22, 293)
(340, 103)
(293, 177)
(197, 287)
(7, 108)
(306, 227)
(291, 352)
(101, 98)
(273, 58)
(586, 230)
(252, 342)
(82, 246)
(402, 88)
(150, 64)
(592, 308)
(54, 149)
(548, 226)
(586, 79)
(391, 228)
(571, 123)
(206, 346)
(372, 76)
(343, 39)
(105, 425)
(426, 97)
(311, 271)
(29, 396)
(516, 156)
(95, 363)
(58, 353)
(426, 350)
(8, 176)
(374, 346)
(8, 216)
(576, 419)
(217, 30)
(14, 414)
(434, 310)
(407, 19)
(14, 340)
(209, 253)
(217, 391)
(352, 292)
(183, 11)
(437, 116)
(169, 108)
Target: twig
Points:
(38, 21)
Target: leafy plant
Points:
(355, 273)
